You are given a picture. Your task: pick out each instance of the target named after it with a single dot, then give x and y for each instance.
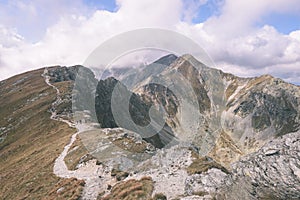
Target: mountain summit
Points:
(166, 60)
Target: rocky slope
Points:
(186, 131)
(238, 117)
(238, 114)
(270, 173)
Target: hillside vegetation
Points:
(33, 141)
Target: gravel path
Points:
(95, 176)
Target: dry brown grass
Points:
(159, 196)
(62, 190)
(259, 80)
(200, 193)
(120, 175)
(131, 190)
(203, 164)
(130, 145)
(225, 151)
(27, 154)
(231, 89)
(76, 152)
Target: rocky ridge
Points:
(243, 145)
(246, 113)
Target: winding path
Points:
(90, 172)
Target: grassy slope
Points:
(131, 190)
(27, 154)
(76, 152)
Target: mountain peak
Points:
(166, 60)
(194, 61)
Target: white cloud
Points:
(164, 13)
(73, 37)
(258, 49)
(31, 18)
(239, 17)
(238, 46)
(9, 37)
(232, 39)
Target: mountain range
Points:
(173, 129)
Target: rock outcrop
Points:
(271, 173)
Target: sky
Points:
(246, 38)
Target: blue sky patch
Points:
(284, 23)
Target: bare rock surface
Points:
(273, 172)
